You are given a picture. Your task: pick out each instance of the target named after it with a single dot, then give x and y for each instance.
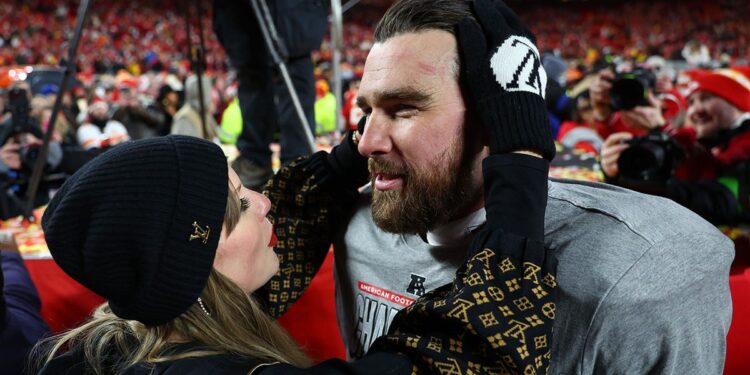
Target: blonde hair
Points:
(238, 326)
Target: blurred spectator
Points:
(635, 111)
(325, 108)
(714, 179)
(165, 106)
(580, 132)
(187, 121)
(559, 104)
(128, 109)
(100, 131)
(696, 54)
(20, 136)
(231, 123)
(350, 110)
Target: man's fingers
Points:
(606, 75)
(609, 157)
(512, 19)
(491, 20)
(613, 151)
(600, 86)
(472, 45)
(653, 101)
(618, 137)
(472, 49)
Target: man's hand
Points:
(505, 83)
(10, 156)
(647, 117)
(613, 146)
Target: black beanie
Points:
(139, 224)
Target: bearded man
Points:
(643, 282)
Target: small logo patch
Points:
(416, 286)
(517, 66)
(200, 233)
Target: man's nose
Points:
(376, 139)
(695, 108)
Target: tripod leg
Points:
(36, 174)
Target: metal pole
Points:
(261, 10)
(198, 60)
(349, 5)
(41, 160)
(337, 40)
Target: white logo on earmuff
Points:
(517, 66)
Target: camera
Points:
(630, 90)
(652, 158)
(29, 154)
(21, 123)
(18, 105)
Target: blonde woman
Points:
(165, 231)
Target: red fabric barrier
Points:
(65, 303)
(312, 319)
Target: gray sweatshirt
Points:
(643, 281)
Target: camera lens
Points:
(626, 94)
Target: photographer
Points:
(20, 136)
(128, 110)
(713, 178)
(626, 102)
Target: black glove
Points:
(503, 77)
(361, 126)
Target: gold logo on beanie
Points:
(200, 233)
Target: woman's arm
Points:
(309, 198)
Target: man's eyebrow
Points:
(405, 94)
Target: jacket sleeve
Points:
(309, 198)
(497, 315)
(21, 325)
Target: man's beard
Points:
(429, 197)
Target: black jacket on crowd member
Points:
(265, 102)
(139, 121)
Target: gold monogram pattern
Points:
(300, 214)
(496, 317)
(200, 233)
